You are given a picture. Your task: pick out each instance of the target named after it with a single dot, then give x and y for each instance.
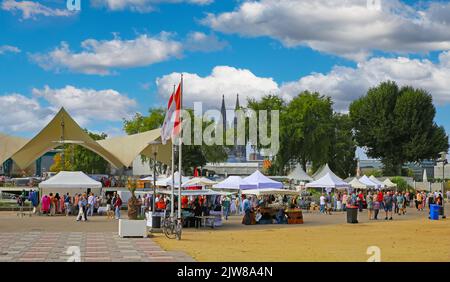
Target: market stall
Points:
(70, 181)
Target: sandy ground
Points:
(322, 238)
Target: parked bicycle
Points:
(172, 227)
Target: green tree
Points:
(397, 126)
(78, 158)
(307, 129)
(342, 151)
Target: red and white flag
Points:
(171, 125)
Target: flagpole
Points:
(172, 203)
(180, 148)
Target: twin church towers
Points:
(237, 153)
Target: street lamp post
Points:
(154, 146)
(444, 161)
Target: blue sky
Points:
(261, 48)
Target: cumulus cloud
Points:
(223, 80)
(199, 41)
(342, 84)
(351, 28)
(31, 10)
(99, 57)
(141, 6)
(9, 48)
(21, 113)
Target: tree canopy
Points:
(397, 125)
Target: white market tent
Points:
(269, 191)
(230, 183)
(202, 192)
(389, 183)
(323, 171)
(168, 181)
(299, 174)
(356, 184)
(70, 179)
(374, 179)
(328, 181)
(366, 180)
(257, 180)
(198, 181)
(76, 181)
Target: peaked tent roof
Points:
(328, 181)
(70, 179)
(9, 145)
(323, 171)
(258, 180)
(168, 181)
(374, 179)
(389, 183)
(366, 180)
(47, 138)
(127, 148)
(355, 183)
(198, 181)
(299, 174)
(269, 191)
(231, 182)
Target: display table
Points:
(217, 218)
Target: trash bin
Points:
(352, 214)
(156, 221)
(434, 212)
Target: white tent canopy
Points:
(269, 191)
(231, 182)
(259, 181)
(323, 171)
(299, 174)
(355, 183)
(328, 181)
(389, 183)
(168, 181)
(370, 184)
(202, 192)
(70, 179)
(198, 181)
(375, 180)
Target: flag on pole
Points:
(171, 125)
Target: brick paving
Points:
(92, 246)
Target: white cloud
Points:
(345, 84)
(350, 28)
(31, 10)
(99, 57)
(223, 80)
(87, 106)
(141, 6)
(342, 84)
(21, 114)
(199, 41)
(9, 48)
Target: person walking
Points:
(369, 201)
(400, 204)
(322, 201)
(226, 207)
(117, 205)
(387, 205)
(53, 202)
(81, 208)
(376, 206)
(360, 201)
(344, 201)
(90, 204)
(67, 204)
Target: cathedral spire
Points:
(237, 102)
(223, 112)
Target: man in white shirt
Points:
(322, 203)
(91, 203)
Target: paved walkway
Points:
(93, 246)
